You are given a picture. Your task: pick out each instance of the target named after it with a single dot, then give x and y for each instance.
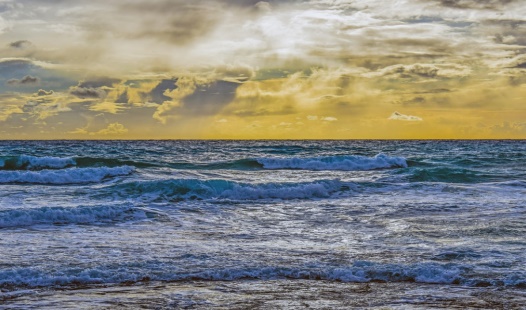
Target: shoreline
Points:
(268, 294)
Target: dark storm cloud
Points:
(26, 80)
(123, 98)
(202, 100)
(210, 98)
(157, 94)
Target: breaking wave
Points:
(343, 162)
(359, 272)
(191, 189)
(74, 215)
(351, 162)
(64, 176)
(26, 162)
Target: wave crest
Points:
(346, 163)
(27, 162)
(76, 215)
(358, 272)
(187, 189)
(64, 176)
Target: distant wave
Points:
(359, 272)
(26, 162)
(452, 175)
(350, 162)
(188, 189)
(74, 215)
(342, 162)
(64, 176)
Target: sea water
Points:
(262, 224)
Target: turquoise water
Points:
(442, 214)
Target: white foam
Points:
(366, 272)
(46, 162)
(346, 163)
(77, 215)
(223, 189)
(319, 189)
(64, 176)
(159, 271)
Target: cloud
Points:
(321, 118)
(113, 129)
(98, 82)
(109, 107)
(32, 75)
(209, 98)
(476, 4)
(21, 44)
(402, 117)
(88, 93)
(157, 95)
(194, 97)
(42, 92)
(93, 88)
(43, 107)
(409, 71)
(263, 6)
(232, 73)
(26, 80)
(123, 98)
(508, 128)
(7, 110)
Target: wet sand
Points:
(272, 294)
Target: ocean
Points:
(262, 224)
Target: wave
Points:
(347, 163)
(64, 176)
(191, 189)
(451, 175)
(112, 162)
(76, 215)
(26, 162)
(359, 272)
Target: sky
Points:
(247, 69)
